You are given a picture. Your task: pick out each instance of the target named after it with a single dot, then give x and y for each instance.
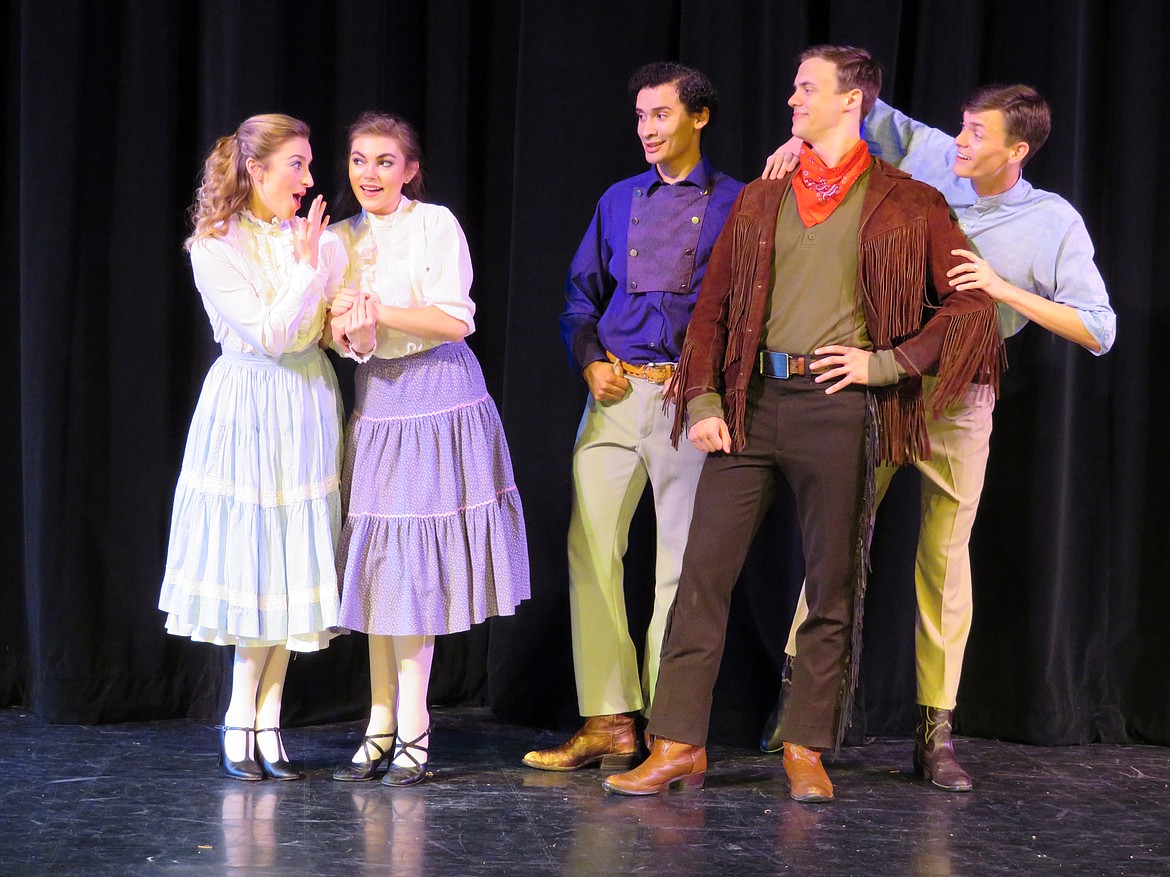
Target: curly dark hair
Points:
(695, 90)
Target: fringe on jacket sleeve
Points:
(972, 351)
(899, 417)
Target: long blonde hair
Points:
(226, 185)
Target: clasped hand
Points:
(354, 321)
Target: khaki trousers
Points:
(952, 481)
(620, 446)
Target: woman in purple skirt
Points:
(433, 540)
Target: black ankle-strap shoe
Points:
(408, 776)
(360, 771)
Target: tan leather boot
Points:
(671, 764)
(608, 740)
(806, 775)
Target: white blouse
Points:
(259, 298)
(414, 257)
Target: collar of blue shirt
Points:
(701, 175)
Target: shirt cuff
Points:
(884, 369)
(704, 406)
(1102, 330)
(359, 357)
(587, 352)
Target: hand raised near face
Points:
(307, 232)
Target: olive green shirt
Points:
(813, 300)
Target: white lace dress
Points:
(257, 512)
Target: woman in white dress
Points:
(257, 513)
(433, 540)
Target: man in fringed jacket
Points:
(1033, 255)
(825, 302)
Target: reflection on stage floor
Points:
(148, 798)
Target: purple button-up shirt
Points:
(606, 307)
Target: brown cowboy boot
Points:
(609, 740)
(806, 775)
(673, 764)
(934, 753)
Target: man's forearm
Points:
(1057, 318)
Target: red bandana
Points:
(820, 188)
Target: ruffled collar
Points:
(269, 245)
(258, 226)
(365, 248)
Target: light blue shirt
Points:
(1032, 239)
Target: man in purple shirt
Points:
(631, 288)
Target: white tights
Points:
(257, 687)
(400, 671)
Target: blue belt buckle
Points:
(777, 364)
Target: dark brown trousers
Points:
(817, 443)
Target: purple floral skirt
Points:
(433, 540)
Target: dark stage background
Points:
(109, 107)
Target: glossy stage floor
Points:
(145, 799)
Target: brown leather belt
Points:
(783, 365)
(654, 372)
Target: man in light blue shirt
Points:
(1035, 240)
(1031, 253)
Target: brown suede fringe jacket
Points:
(903, 251)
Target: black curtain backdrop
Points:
(525, 121)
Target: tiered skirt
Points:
(433, 540)
(257, 510)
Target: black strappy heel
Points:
(368, 769)
(408, 776)
(244, 769)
